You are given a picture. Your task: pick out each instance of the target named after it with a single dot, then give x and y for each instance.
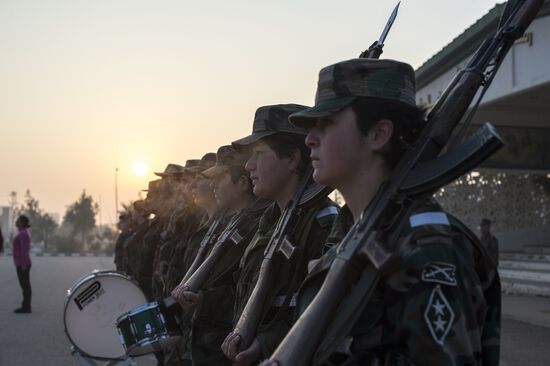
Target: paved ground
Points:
(524, 344)
(39, 338)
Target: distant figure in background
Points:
(489, 240)
(1, 242)
(21, 248)
(124, 226)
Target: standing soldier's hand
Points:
(180, 294)
(250, 355)
(190, 300)
(230, 348)
(269, 363)
(177, 292)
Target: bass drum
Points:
(92, 307)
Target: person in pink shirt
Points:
(22, 259)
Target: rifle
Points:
(280, 242)
(365, 255)
(375, 49)
(205, 243)
(230, 236)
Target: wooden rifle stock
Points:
(201, 274)
(203, 247)
(322, 310)
(332, 313)
(201, 254)
(230, 236)
(203, 269)
(253, 311)
(250, 318)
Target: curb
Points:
(73, 255)
(525, 274)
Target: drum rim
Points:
(98, 273)
(147, 306)
(148, 340)
(94, 273)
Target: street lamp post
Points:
(116, 194)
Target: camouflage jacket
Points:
(183, 222)
(212, 319)
(314, 225)
(147, 254)
(120, 264)
(174, 221)
(194, 243)
(180, 261)
(166, 243)
(132, 248)
(441, 307)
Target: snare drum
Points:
(148, 328)
(92, 307)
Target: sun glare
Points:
(139, 168)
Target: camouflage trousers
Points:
(176, 356)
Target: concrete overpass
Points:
(518, 101)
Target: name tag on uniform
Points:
(287, 248)
(236, 237)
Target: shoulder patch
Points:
(327, 211)
(439, 272)
(429, 218)
(439, 316)
(326, 216)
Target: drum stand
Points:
(87, 361)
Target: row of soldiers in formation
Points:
(440, 306)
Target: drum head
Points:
(91, 310)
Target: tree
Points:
(43, 225)
(80, 216)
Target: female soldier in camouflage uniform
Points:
(442, 305)
(279, 157)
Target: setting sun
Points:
(139, 168)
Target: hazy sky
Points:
(88, 86)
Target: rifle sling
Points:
(300, 255)
(353, 305)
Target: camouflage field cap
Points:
(226, 157)
(341, 84)
(198, 165)
(139, 205)
(153, 187)
(191, 163)
(270, 120)
(170, 170)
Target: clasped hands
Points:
(187, 299)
